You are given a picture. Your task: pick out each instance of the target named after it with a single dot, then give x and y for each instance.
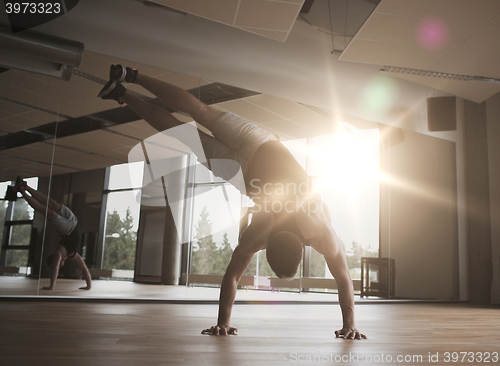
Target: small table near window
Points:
(377, 277)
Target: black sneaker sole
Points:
(117, 73)
(122, 74)
(112, 90)
(19, 183)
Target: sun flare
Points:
(345, 162)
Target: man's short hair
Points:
(50, 258)
(284, 253)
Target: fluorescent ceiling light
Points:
(437, 74)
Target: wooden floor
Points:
(127, 290)
(89, 333)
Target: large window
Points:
(343, 168)
(122, 218)
(16, 223)
(345, 171)
(4, 204)
(216, 220)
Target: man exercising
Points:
(288, 213)
(65, 223)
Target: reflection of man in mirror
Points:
(65, 224)
(287, 216)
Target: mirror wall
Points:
(29, 118)
(393, 200)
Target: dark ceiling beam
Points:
(209, 94)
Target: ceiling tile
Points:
(282, 107)
(44, 117)
(124, 151)
(393, 28)
(11, 108)
(477, 12)
(392, 54)
(485, 42)
(21, 122)
(470, 63)
(87, 162)
(27, 82)
(38, 152)
(269, 33)
(97, 64)
(7, 175)
(218, 10)
(11, 165)
(317, 123)
(78, 87)
(86, 105)
(475, 91)
(182, 81)
(139, 129)
(495, 23)
(61, 153)
(263, 17)
(65, 157)
(471, 50)
(249, 111)
(9, 127)
(58, 170)
(34, 97)
(96, 141)
(267, 14)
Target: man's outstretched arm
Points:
(338, 268)
(253, 239)
(237, 266)
(56, 263)
(329, 245)
(85, 271)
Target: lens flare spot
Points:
(432, 33)
(379, 94)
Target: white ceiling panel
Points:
(393, 54)
(270, 18)
(450, 36)
(476, 12)
(468, 63)
(407, 27)
(484, 42)
(474, 91)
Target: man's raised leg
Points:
(43, 199)
(159, 118)
(38, 201)
(156, 116)
(180, 100)
(173, 96)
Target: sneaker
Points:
(121, 73)
(10, 194)
(19, 183)
(112, 90)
